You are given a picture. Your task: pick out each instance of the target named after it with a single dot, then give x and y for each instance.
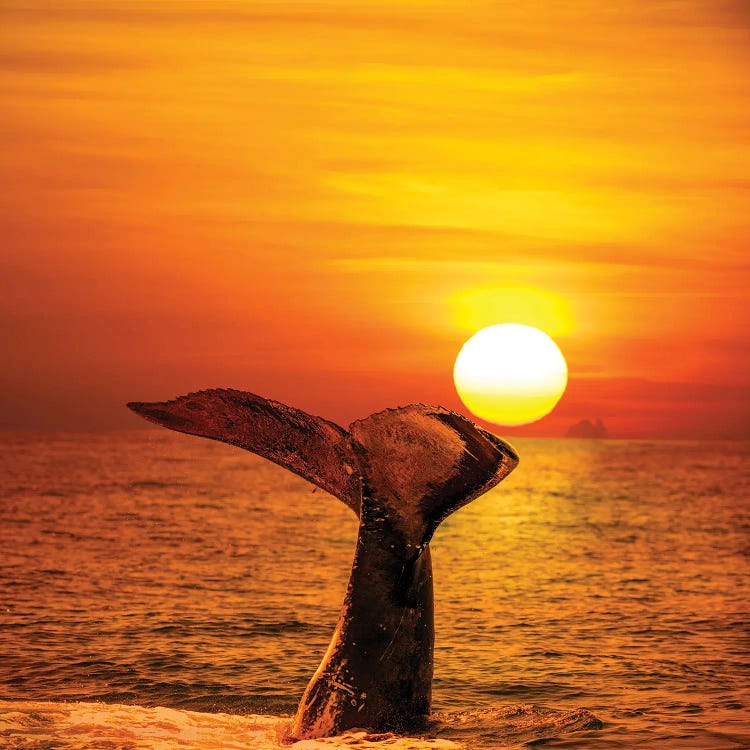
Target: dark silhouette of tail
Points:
(403, 471)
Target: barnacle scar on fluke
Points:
(403, 471)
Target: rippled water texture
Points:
(162, 570)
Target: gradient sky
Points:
(320, 202)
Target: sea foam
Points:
(39, 725)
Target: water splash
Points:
(37, 725)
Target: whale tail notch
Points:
(421, 463)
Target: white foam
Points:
(78, 726)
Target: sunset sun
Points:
(510, 374)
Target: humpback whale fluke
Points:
(309, 446)
(403, 471)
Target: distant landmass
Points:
(587, 429)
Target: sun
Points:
(510, 374)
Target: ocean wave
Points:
(610, 576)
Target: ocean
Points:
(176, 592)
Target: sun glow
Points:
(510, 374)
(479, 306)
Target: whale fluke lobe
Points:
(425, 462)
(309, 446)
(403, 471)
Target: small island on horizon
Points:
(588, 429)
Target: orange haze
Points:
(321, 202)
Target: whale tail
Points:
(403, 471)
(421, 463)
(417, 464)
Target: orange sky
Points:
(321, 202)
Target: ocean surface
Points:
(193, 587)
